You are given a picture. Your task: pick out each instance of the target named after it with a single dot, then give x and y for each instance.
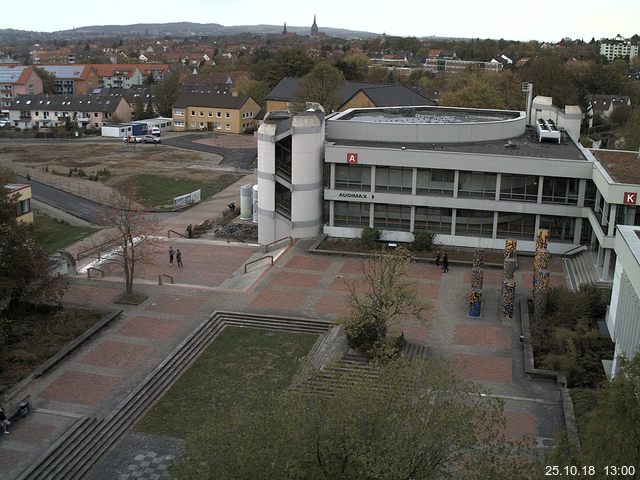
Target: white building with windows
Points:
(618, 48)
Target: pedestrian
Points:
(189, 231)
(4, 421)
(445, 263)
(29, 177)
(171, 254)
(438, 258)
(179, 257)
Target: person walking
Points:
(171, 254)
(445, 263)
(438, 258)
(4, 421)
(179, 257)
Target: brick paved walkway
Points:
(102, 372)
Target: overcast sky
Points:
(547, 20)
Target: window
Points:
(351, 214)
(95, 114)
(477, 185)
(392, 217)
(210, 114)
(218, 115)
(561, 229)
(179, 113)
(433, 220)
(193, 113)
(474, 223)
(201, 124)
(202, 114)
(227, 115)
(516, 225)
(193, 124)
(353, 177)
(560, 190)
(435, 182)
(394, 179)
(227, 127)
(23, 207)
(519, 188)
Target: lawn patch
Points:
(240, 362)
(156, 191)
(53, 234)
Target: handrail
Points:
(233, 237)
(266, 247)
(96, 247)
(573, 250)
(177, 233)
(95, 269)
(257, 260)
(165, 275)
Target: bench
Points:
(19, 410)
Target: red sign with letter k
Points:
(630, 198)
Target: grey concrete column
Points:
(537, 224)
(332, 210)
(456, 180)
(498, 182)
(414, 183)
(454, 212)
(412, 222)
(613, 208)
(540, 185)
(494, 232)
(604, 274)
(371, 205)
(373, 179)
(582, 190)
(332, 182)
(577, 232)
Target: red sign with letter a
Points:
(630, 198)
(352, 158)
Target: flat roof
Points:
(426, 115)
(622, 166)
(526, 145)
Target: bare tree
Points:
(132, 232)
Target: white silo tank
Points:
(246, 202)
(255, 204)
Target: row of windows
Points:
(180, 113)
(471, 223)
(521, 188)
(216, 126)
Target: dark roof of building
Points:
(624, 167)
(65, 103)
(601, 103)
(382, 94)
(210, 100)
(130, 94)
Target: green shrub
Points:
(422, 241)
(363, 331)
(369, 237)
(387, 349)
(22, 356)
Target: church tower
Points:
(314, 27)
(284, 31)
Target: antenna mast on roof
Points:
(527, 87)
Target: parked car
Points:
(150, 139)
(132, 139)
(155, 131)
(4, 123)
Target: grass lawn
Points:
(53, 234)
(240, 362)
(37, 335)
(156, 191)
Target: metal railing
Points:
(574, 250)
(165, 275)
(98, 249)
(177, 233)
(268, 245)
(92, 269)
(257, 260)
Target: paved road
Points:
(240, 158)
(77, 206)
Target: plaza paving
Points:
(101, 373)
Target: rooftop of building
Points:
(526, 145)
(622, 166)
(426, 115)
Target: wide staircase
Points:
(89, 438)
(351, 369)
(581, 269)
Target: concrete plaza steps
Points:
(583, 271)
(75, 454)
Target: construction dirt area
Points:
(119, 160)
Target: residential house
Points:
(352, 95)
(450, 65)
(605, 105)
(17, 80)
(215, 112)
(145, 92)
(86, 111)
(22, 194)
(118, 75)
(73, 79)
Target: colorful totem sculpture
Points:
(508, 280)
(541, 293)
(477, 277)
(540, 273)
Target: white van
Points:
(155, 131)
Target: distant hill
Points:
(177, 29)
